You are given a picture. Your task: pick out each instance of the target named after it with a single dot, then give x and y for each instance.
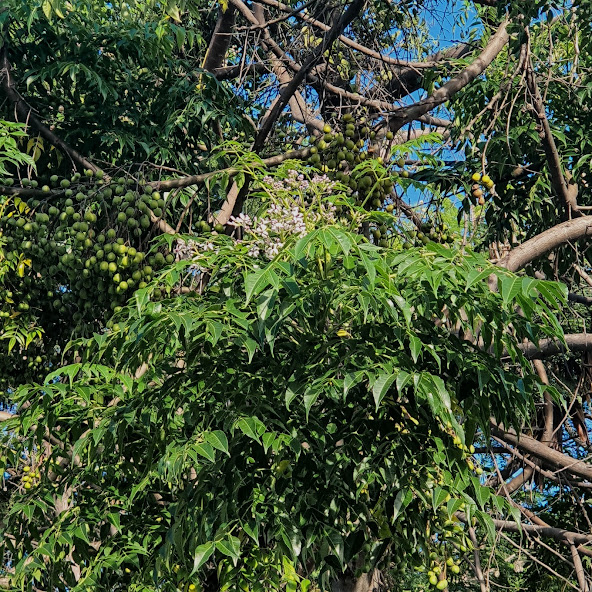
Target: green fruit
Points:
(442, 584)
(433, 580)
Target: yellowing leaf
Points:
(173, 12)
(46, 6)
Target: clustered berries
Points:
(480, 181)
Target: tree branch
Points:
(576, 342)
(430, 63)
(558, 534)
(403, 115)
(346, 18)
(220, 39)
(558, 235)
(231, 72)
(550, 456)
(566, 191)
(25, 111)
(230, 171)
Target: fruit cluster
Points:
(82, 243)
(30, 478)
(480, 181)
(347, 153)
(339, 153)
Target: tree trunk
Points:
(369, 582)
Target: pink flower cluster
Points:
(297, 181)
(298, 205)
(267, 235)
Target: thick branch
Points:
(534, 447)
(220, 39)
(566, 191)
(563, 233)
(25, 111)
(404, 115)
(296, 102)
(558, 534)
(576, 342)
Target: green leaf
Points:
(438, 497)
(206, 450)
(415, 346)
(229, 547)
(218, 440)
(509, 287)
(201, 555)
(248, 426)
(482, 494)
(381, 386)
(258, 280)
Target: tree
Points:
(239, 351)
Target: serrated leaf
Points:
(201, 555)
(509, 287)
(248, 427)
(415, 346)
(438, 497)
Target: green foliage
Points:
(296, 399)
(297, 413)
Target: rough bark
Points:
(548, 240)
(220, 39)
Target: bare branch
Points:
(558, 534)
(230, 171)
(346, 18)
(566, 191)
(477, 559)
(430, 63)
(558, 235)
(550, 456)
(403, 115)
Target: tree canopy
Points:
(295, 296)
